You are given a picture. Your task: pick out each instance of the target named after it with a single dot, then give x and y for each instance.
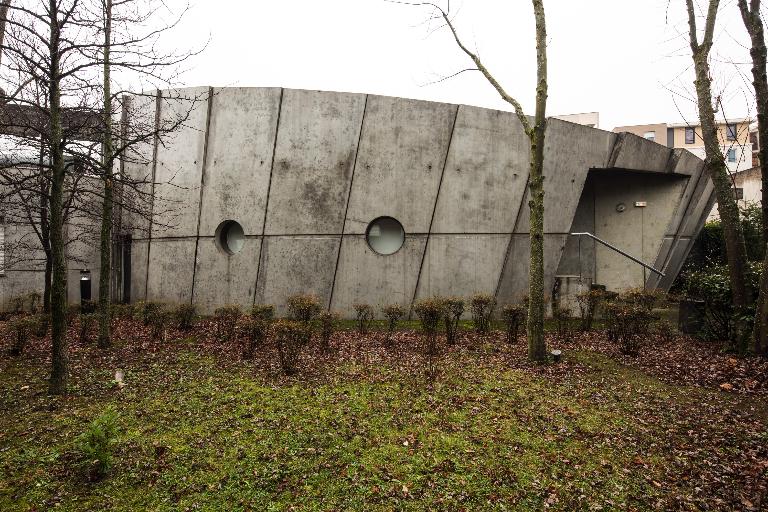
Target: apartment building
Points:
(734, 136)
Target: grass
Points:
(200, 431)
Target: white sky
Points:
(617, 57)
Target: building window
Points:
(739, 193)
(650, 136)
(385, 235)
(230, 237)
(690, 135)
(731, 155)
(730, 131)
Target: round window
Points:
(385, 235)
(230, 237)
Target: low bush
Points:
(563, 317)
(158, 319)
(226, 318)
(17, 305)
(645, 299)
(514, 318)
(35, 300)
(430, 313)
(328, 322)
(96, 445)
(393, 313)
(665, 330)
(291, 337)
(631, 325)
(589, 303)
(482, 305)
(454, 308)
(121, 310)
(21, 329)
(303, 308)
(256, 333)
(364, 315)
(42, 322)
(88, 307)
(146, 311)
(87, 321)
(263, 312)
(184, 316)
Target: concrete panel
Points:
(223, 278)
(462, 265)
(171, 262)
(23, 250)
(634, 152)
(402, 151)
(579, 254)
(661, 263)
(514, 281)
(19, 283)
(686, 162)
(570, 150)
(296, 264)
(676, 261)
(701, 205)
(486, 173)
(180, 163)
(364, 276)
(315, 154)
(240, 146)
(139, 270)
(137, 165)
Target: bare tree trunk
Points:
(537, 349)
(754, 25)
(4, 5)
(105, 272)
(58, 382)
(726, 201)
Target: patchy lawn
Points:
(362, 429)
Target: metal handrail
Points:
(610, 246)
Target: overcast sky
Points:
(625, 59)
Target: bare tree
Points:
(537, 350)
(714, 159)
(54, 47)
(753, 22)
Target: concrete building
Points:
(591, 119)
(365, 198)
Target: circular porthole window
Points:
(385, 235)
(230, 237)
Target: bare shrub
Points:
(392, 313)
(184, 316)
(645, 299)
(303, 307)
(563, 317)
(364, 315)
(328, 322)
(631, 324)
(257, 328)
(87, 321)
(291, 337)
(226, 318)
(481, 305)
(665, 330)
(514, 318)
(263, 312)
(430, 313)
(34, 299)
(589, 302)
(21, 329)
(42, 322)
(146, 311)
(454, 308)
(121, 310)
